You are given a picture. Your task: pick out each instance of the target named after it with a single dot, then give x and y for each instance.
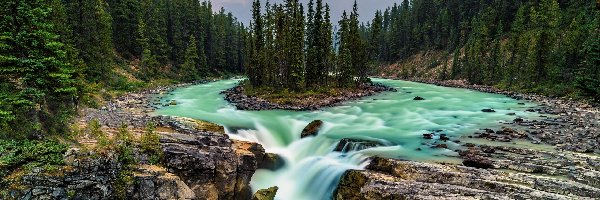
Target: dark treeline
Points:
(549, 46)
(291, 50)
(54, 53)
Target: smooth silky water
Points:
(312, 170)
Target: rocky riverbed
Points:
(238, 97)
(556, 156)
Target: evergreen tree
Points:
(92, 35)
(37, 80)
(188, 69)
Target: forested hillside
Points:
(56, 54)
(547, 46)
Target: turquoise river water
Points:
(312, 168)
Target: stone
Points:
(478, 162)
(265, 194)
(488, 110)
(312, 129)
(418, 98)
(348, 144)
(271, 161)
(428, 136)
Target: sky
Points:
(366, 8)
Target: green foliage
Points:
(522, 45)
(590, 87)
(28, 154)
(37, 79)
(302, 51)
(150, 144)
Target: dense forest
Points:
(547, 46)
(57, 54)
(296, 52)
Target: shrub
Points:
(150, 143)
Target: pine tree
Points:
(92, 35)
(37, 80)
(188, 70)
(149, 64)
(255, 72)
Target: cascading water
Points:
(312, 169)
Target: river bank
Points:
(554, 157)
(197, 159)
(303, 102)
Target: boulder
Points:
(312, 129)
(348, 144)
(265, 194)
(271, 161)
(478, 162)
(488, 110)
(428, 136)
(418, 98)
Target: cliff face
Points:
(199, 162)
(393, 179)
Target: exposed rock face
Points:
(211, 164)
(312, 129)
(155, 182)
(266, 194)
(392, 179)
(87, 176)
(197, 165)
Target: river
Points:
(312, 168)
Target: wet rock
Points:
(478, 162)
(265, 194)
(418, 98)
(440, 146)
(312, 129)
(443, 137)
(488, 110)
(347, 144)
(272, 161)
(428, 136)
(518, 119)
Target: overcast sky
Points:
(366, 8)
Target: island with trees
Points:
(298, 63)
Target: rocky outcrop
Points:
(312, 129)
(265, 194)
(393, 179)
(197, 164)
(211, 164)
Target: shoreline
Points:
(490, 168)
(237, 97)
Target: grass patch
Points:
(288, 97)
